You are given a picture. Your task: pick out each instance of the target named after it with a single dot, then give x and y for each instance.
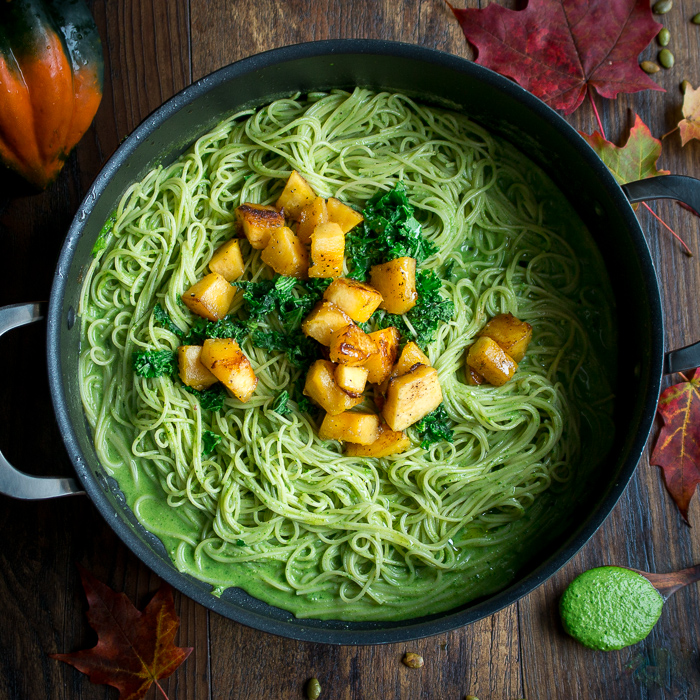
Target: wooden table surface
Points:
(153, 49)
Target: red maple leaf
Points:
(134, 649)
(677, 449)
(557, 49)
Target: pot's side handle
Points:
(687, 190)
(13, 482)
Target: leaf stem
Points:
(684, 377)
(595, 111)
(668, 133)
(161, 690)
(688, 252)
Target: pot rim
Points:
(335, 632)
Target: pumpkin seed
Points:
(685, 85)
(664, 36)
(313, 689)
(412, 660)
(666, 58)
(696, 19)
(661, 7)
(649, 67)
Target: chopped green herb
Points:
(389, 230)
(305, 405)
(163, 319)
(435, 427)
(240, 543)
(211, 399)
(209, 441)
(154, 363)
(224, 328)
(103, 236)
(280, 404)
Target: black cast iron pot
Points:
(434, 78)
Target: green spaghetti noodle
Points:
(274, 509)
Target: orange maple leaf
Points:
(677, 449)
(690, 124)
(134, 649)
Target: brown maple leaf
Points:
(636, 160)
(690, 124)
(557, 49)
(677, 449)
(134, 649)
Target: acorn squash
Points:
(51, 73)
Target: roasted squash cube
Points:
(211, 297)
(350, 345)
(474, 378)
(357, 299)
(389, 442)
(192, 372)
(349, 426)
(286, 254)
(325, 318)
(226, 361)
(488, 358)
(511, 334)
(410, 355)
(311, 216)
(296, 195)
(411, 397)
(227, 260)
(320, 386)
(343, 215)
(327, 251)
(381, 363)
(351, 379)
(396, 282)
(258, 222)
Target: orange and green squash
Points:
(51, 73)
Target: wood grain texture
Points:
(153, 48)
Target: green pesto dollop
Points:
(610, 608)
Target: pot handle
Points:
(687, 190)
(13, 482)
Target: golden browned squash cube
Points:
(411, 397)
(192, 372)
(258, 222)
(351, 346)
(286, 254)
(343, 215)
(228, 261)
(325, 318)
(389, 442)
(396, 282)
(226, 361)
(327, 251)
(320, 386)
(474, 378)
(410, 355)
(381, 363)
(488, 358)
(311, 216)
(512, 334)
(211, 297)
(349, 426)
(351, 379)
(357, 299)
(296, 195)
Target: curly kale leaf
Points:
(103, 236)
(154, 363)
(301, 351)
(224, 328)
(211, 399)
(209, 441)
(435, 427)
(163, 319)
(389, 230)
(281, 404)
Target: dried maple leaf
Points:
(677, 449)
(636, 160)
(557, 49)
(690, 124)
(134, 649)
